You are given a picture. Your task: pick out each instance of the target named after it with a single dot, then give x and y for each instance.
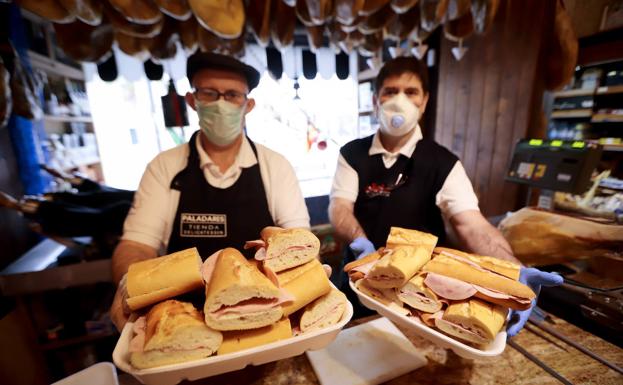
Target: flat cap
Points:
(208, 60)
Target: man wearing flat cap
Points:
(218, 190)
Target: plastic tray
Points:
(211, 366)
(495, 348)
(102, 373)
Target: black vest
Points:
(403, 195)
(211, 218)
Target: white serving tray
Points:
(102, 373)
(211, 366)
(495, 348)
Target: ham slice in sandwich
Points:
(238, 295)
(456, 275)
(170, 333)
(324, 311)
(281, 249)
(359, 268)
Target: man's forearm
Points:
(487, 242)
(478, 236)
(343, 220)
(127, 253)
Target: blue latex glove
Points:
(534, 278)
(362, 247)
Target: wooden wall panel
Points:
(488, 100)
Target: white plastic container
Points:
(211, 366)
(102, 373)
(495, 348)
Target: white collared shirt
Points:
(455, 196)
(150, 220)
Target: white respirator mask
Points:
(398, 115)
(220, 121)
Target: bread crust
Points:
(235, 341)
(154, 280)
(305, 283)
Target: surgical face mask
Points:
(398, 115)
(220, 121)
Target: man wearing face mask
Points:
(218, 190)
(398, 178)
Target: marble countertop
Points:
(445, 367)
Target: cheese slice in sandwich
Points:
(305, 283)
(491, 279)
(324, 311)
(234, 341)
(397, 266)
(281, 249)
(154, 280)
(472, 320)
(170, 333)
(417, 295)
(239, 296)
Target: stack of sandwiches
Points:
(248, 303)
(463, 295)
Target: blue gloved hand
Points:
(362, 247)
(534, 278)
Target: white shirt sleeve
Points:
(285, 200)
(149, 219)
(345, 182)
(456, 194)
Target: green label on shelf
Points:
(577, 145)
(535, 142)
(556, 143)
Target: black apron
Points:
(403, 195)
(211, 218)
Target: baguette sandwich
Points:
(305, 283)
(172, 332)
(456, 275)
(387, 297)
(281, 249)
(324, 311)
(397, 266)
(234, 341)
(359, 268)
(472, 320)
(154, 280)
(417, 295)
(401, 236)
(239, 296)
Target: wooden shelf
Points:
(84, 162)
(46, 64)
(606, 118)
(613, 147)
(575, 92)
(68, 119)
(610, 90)
(579, 113)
